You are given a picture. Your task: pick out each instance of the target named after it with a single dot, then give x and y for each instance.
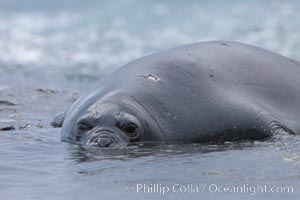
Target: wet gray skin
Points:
(208, 92)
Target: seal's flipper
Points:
(58, 120)
(259, 126)
(248, 121)
(271, 124)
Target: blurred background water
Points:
(85, 40)
(51, 50)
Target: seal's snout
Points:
(104, 141)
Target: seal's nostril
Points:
(104, 142)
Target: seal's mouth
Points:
(105, 138)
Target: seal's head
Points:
(110, 120)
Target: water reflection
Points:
(81, 154)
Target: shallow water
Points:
(51, 51)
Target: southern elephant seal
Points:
(207, 92)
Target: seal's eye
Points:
(84, 126)
(131, 130)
